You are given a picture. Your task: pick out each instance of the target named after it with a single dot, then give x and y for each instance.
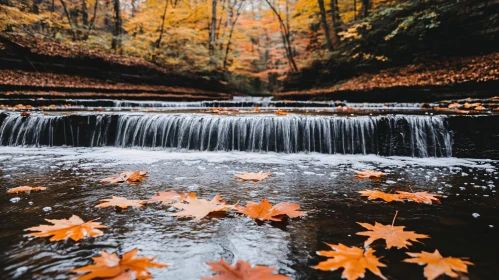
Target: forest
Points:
(263, 46)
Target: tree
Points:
(325, 24)
(286, 34)
(118, 25)
(213, 27)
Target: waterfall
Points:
(406, 135)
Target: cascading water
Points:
(407, 135)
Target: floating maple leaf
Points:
(128, 176)
(419, 197)
(354, 260)
(368, 174)
(200, 208)
(25, 189)
(281, 112)
(395, 236)
(121, 202)
(110, 266)
(74, 228)
(469, 105)
(168, 197)
(375, 194)
(454, 105)
(266, 212)
(253, 176)
(242, 271)
(437, 265)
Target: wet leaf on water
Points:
(242, 271)
(266, 212)
(74, 228)
(25, 189)
(120, 202)
(253, 176)
(281, 112)
(437, 265)
(128, 176)
(454, 105)
(200, 208)
(375, 194)
(110, 266)
(368, 174)
(354, 260)
(168, 197)
(419, 197)
(395, 236)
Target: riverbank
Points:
(41, 68)
(450, 78)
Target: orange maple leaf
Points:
(128, 176)
(110, 266)
(253, 176)
(200, 208)
(242, 271)
(121, 202)
(454, 105)
(375, 194)
(354, 260)
(437, 265)
(266, 212)
(74, 228)
(419, 197)
(281, 112)
(395, 236)
(368, 174)
(25, 189)
(168, 197)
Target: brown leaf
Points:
(395, 236)
(200, 208)
(253, 176)
(128, 176)
(168, 197)
(437, 265)
(354, 260)
(266, 212)
(25, 189)
(454, 106)
(242, 271)
(110, 266)
(419, 197)
(74, 228)
(368, 174)
(375, 194)
(121, 202)
(281, 112)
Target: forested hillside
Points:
(249, 46)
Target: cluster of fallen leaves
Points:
(478, 68)
(111, 266)
(355, 261)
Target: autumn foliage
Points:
(110, 266)
(242, 271)
(73, 228)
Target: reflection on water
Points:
(321, 184)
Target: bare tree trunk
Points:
(336, 20)
(84, 14)
(116, 42)
(162, 29)
(233, 24)
(326, 26)
(73, 34)
(285, 34)
(355, 9)
(92, 21)
(366, 5)
(213, 27)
